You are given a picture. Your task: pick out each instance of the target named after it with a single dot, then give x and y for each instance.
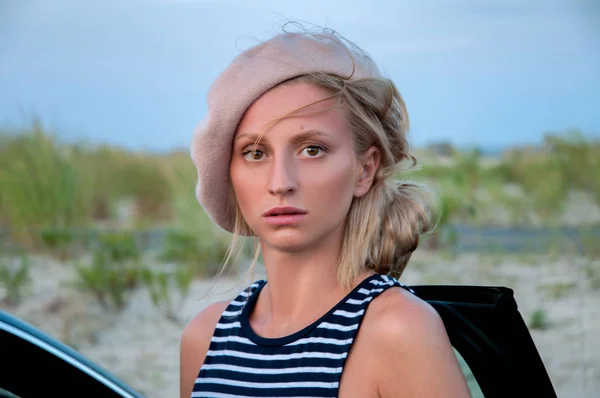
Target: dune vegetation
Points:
(112, 207)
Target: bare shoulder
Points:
(195, 341)
(204, 322)
(409, 337)
(397, 313)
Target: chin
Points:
(287, 240)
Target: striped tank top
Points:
(308, 363)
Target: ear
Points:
(368, 166)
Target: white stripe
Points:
(231, 313)
(237, 339)
(270, 371)
(359, 302)
(248, 384)
(365, 291)
(347, 314)
(278, 357)
(236, 303)
(391, 282)
(232, 325)
(216, 395)
(65, 357)
(335, 326)
(380, 283)
(245, 292)
(321, 340)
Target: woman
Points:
(302, 138)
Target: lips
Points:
(284, 211)
(284, 216)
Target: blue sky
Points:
(135, 73)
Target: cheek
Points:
(333, 184)
(244, 186)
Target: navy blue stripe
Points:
(317, 332)
(285, 350)
(270, 378)
(270, 392)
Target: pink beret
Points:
(249, 75)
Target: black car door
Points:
(487, 329)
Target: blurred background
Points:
(104, 246)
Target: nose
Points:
(282, 179)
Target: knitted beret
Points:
(251, 74)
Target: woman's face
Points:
(295, 189)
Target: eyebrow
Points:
(297, 137)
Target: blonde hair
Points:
(384, 226)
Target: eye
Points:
(253, 155)
(314, 150)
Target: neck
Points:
(302, 286)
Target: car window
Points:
(471, 381)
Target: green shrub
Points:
(109, 282)
(118, 246)
(57, 240)
(114, 270)
(14, 278)
(539, 320)
(592, 272)
(183, 247)
(160, 286)
(186, 248)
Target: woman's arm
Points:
(195, 341)
(415, 357)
